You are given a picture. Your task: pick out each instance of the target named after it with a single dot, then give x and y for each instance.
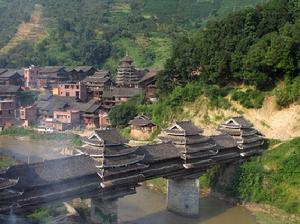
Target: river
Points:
(145, 207)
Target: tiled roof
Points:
(224, 141)
(151, 73)
(50, 69)
(89, 107)
(9, 89)
(159, 152)
(79, 68)
(52, 171)
(8, 74)
(127, 92)
(140, 121)
(186, 127)
(111, 137)
(238, 121)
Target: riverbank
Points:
(6, 161)
(30, 134)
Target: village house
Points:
(89, 113)
(63, 113)
(63, 120)
(97, 83)
(10, 77)
(28, 115)
(77, 90)
(79, 73)
(141, 128)
(119, 95)
(8, 105)
(48, 106)
(45, 77)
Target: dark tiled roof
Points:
(158, 152)
(187, 126)
(90, 107)
(52, 171)
(3, 70)
(56, 103)
(79, 68)
(140, 121)
(127, 92)
(241, 121)
(224, 141)
(50, 69)
(149, 74)
(111, 137)
(9, 73)
(9, 89)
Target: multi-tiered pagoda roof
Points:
(127, 74)
(118, 164)
(195, 148)
(247, 139)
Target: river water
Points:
(145, 207)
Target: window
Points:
(0, 112)
(67, 94)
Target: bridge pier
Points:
(183, 197)
(104, 212)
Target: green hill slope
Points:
(99, 32)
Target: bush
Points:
(289, 93)
(249, 98)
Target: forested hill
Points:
(99, 32)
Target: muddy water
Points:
(146, 207)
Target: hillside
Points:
(31, 31)
(272, 122)
(99, 32)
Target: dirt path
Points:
(31, 31)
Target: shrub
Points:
(249, 98)
(289, 93)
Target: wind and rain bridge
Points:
(105, 168)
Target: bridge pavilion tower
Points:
(248, 140)
(196, 150)
(119, 167)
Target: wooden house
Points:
(11, 77)
(97, 84)
(141, 128)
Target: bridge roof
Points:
(52, 171)
(109, 137)
(158, 152)
(224, 141)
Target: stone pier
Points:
(183, 197)
(104, 212)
